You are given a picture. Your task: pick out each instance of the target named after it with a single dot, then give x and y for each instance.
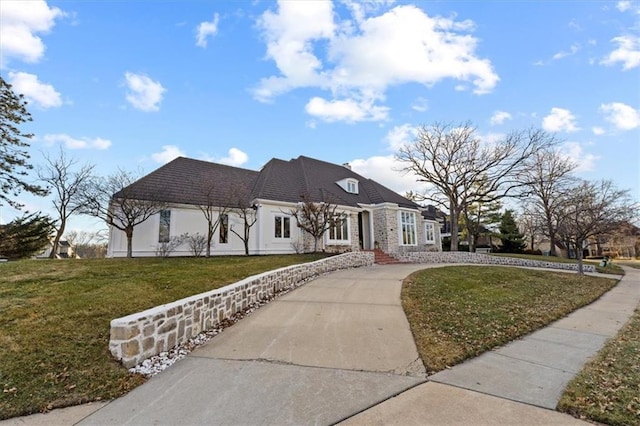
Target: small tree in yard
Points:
(590, 209)
(512, 239)
(113, 199)
(25, 236)
(66, 184)
(212, 209)
(247, 213)
(314, 218)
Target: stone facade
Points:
(139, 336)
(385, 228)
(477, 258)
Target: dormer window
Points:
(349, 185)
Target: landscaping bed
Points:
(55, 315)
(459, 312)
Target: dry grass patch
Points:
(460, 312)
(54, 320)
(607, 390)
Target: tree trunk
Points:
(532, 238)
(56, 240)
(209, 238)
(578, 249)
(454, 227)
(129, 232)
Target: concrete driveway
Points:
(317, 355)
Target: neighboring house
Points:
(370, 215)
(65, 251)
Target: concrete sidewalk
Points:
(341, 345)
(507, 385)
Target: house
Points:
(65, 251)
(369, 215)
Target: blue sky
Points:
(132, 84)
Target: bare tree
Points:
(65, 183)
(590, 209)
(454, 160)
(247, 213)
(88, 244)
(546, 180)
(532, 226)
(212, 209)
(114, 200)
(314, 218)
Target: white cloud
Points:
(206, 29)
(623, 6)
(144, 94)
(75, 143)
(598, 131)
(499, 117)
(41, 94)
(400, 136)
(420, 105)
(20, 24)
(235, 158)
(560, 120)
(564, 53)
(387, 171)
(622, 116)
(366, 55)
(628, 52)
(348, 110)
(168, 153)
(574, 152)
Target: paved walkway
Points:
(341, 345)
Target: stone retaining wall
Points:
(139, 336)
(466, 257)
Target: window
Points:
(282, 227)
(408, 228)
(339, 229)
(429, 232)
(164, 229)
(224, 229)
(349, 184)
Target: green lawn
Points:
(607, 390)
(613, 268)
(460, 312)
(54, 320)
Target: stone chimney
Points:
(347, 165)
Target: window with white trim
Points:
(223, 229)
(164, 230)
(352, 186)
(408, 228)
(282, 227)
(430, 233)
(339, 228)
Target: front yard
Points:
(458, 312)
(54, 320)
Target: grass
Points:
(460, 312)
(613, 268)
(607, 390)
(54, 320)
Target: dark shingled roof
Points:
(181, 181)
(187, 181)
